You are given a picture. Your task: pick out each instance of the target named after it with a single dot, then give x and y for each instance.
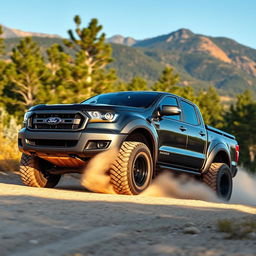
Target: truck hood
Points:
(81, 107)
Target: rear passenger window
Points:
(170, 101)
(189, 113)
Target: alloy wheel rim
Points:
(140, 170)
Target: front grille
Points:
(52, 143)
(57, 121)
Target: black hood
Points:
(81, 107)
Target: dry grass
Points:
(9, 153)
(237, 229)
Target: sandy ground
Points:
(69, 220)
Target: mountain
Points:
(118, 39)
(180, 35)
(130, 62)
(222, 49)
(14, 33)
(200, 60)
(228, 65)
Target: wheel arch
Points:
(219, 154)
(146, 135)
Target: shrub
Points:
(237, 229)
(9, 153)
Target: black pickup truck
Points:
(154, 131)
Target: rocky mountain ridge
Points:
(14, 33)
(200, 60)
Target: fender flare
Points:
(212, 154)
(143, 124)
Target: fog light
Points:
(102, 144)
(30, 142)
(98, 144)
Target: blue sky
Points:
(136, 18)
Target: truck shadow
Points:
(67, 182)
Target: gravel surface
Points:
(69, 220)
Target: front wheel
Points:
(132, 171)
(33, 172)
(219, 179)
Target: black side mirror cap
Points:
(169, 110)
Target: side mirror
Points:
(168, 110)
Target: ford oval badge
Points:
(53, 120)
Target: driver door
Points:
(172, 137)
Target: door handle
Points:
(182, 128)
(202, 133)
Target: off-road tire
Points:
(123, 173)
(219, 179)
(33, 173)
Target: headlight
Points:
(96, 116)
(26, 117)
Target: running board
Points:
(175, 169)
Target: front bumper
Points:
(78, 146)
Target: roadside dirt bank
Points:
(69, 220)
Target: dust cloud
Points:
(96, 179)
(244, 189)
(182, 187)
(95, 176)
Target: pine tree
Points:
(60, 66)
(137, 84)
(2, 64)
(92, 56)
(57, 58)
(120, 86)
(186, 92)
(1, 41)
(167, 81)
(211, 108)
(27, 75)
(241, 121)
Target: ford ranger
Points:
(154, 131)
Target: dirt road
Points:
(69, 220)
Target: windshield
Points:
(131, 99)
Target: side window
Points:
(189, 113)
(170, 101)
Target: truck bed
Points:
(210, 128)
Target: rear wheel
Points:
(219, 179)
(33, 172)
(132, 171)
